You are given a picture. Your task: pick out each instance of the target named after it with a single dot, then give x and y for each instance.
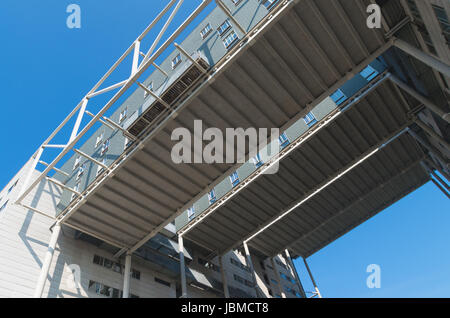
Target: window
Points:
(224, 27)
(150, 87)
(269, 4)
(99, 140)
(205, 31)
(104, 290)
(230, 39)
(280, 263)
(208, 264)
(176, 61)
(191, 213)
(123, 115)
(240, 265)
(162, 282)
(243, 281)
(135, 274)
(284, 141)
(105, 147)
(234, 179)
(4, 206)
(339, 97)
(81, 170)
(257, 161)
(212, 196)
(77, 162)
(100, 168)
(310, 120)
(369, 73)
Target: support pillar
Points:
(277, 276)
(312, 279)
(294, 270)
(182, 268)
(226, 291)
(250, 265)
(127, 276)
(47, 261)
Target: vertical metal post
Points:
(277, 276)
(31, 170)
(226, 291)
(76, 127)
(182, 267)
(312, 279)
(250, 265)
(294, 270)
(47, 261)
(137, 50)
(127, 276)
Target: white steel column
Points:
(182, 267)
(76, 127)
(226, 291)
(47, 261)
(127, 276)
(277, 276)
(250, 265)
(297, 278)
(430, 60)
(312, 279)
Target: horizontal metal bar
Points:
(228, 13)
(53, 146)
(54, 168)
(36, 210)
(190, 58)
(62, 185)
(159, 99)
(107, 89)
(91, 159)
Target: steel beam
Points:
(182, 267)
(249, 263)
(312, 279)
(424, 100)
(294, 270)
(127, 276)
(223, 273)
(428, 59)
(47, 262)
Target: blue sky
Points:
(47, 68)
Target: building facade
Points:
(83, 265)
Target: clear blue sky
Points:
(47, 68)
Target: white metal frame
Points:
(137, 69)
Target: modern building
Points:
(363, 115)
